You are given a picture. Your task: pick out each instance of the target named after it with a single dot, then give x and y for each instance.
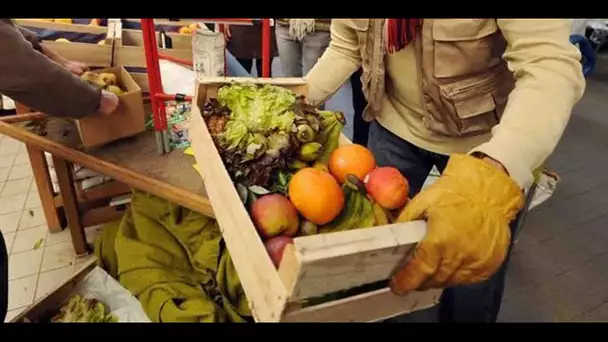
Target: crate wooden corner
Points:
(92, 54)
(314, 265)
(129, 51)
(44, 306)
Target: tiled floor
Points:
(559, 269)
(39, 260)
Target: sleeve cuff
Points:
(518, 171)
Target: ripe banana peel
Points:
(329, 136)
(360, 211)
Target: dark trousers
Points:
(3, 279)
(471, 303)
(360, 127)
(248, 65)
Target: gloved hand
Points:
(468, 211)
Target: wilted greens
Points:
(82, 310)
(266, 132)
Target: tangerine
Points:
(316, 195)
(351, 159)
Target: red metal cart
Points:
(158, 97)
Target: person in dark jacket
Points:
(360, 126)
(245, 43)
(38, 78)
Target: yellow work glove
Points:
(468, 211)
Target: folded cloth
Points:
(174, 261)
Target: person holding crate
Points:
(486, 102)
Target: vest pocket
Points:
(463, 46)
(472, 107)
(476, 115)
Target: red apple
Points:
(275, 248)
(274, 215)
(388, 187)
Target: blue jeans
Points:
(479, 303)
(298, 57)
(234, 68)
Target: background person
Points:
(301, 42)
(245, 43)
(43, 83)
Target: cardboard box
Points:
(128, 120)
(90, 282)
(313, 266)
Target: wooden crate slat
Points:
(367, 307)
(264, 289)
(327, 263)
(92, 54)
(49, 25)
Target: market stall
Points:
(316, 266)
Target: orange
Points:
(316, 195)
(351, 159)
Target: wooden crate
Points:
(314, 265)
(93, 54)
(47, 305)
(129, 51)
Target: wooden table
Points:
(133, 161)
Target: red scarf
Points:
(401, 32)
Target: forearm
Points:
(36, 81)
(549, 82)
(53, 55)
(31, 37)
(341, 59)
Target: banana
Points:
(358, 210)
(308, 228)
(380, 215)
(321, 166)
(305, 134)
(297, 165)
(333, 123)
(310, 151)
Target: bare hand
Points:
(77, 68)
(227, 32)
(108, 104)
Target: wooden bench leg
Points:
(45, 188)
(43, 180)
(70, 204)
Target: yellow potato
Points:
(108, 78)
(102, 42)
(62, 40)
(114, 89)
(93, 78)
